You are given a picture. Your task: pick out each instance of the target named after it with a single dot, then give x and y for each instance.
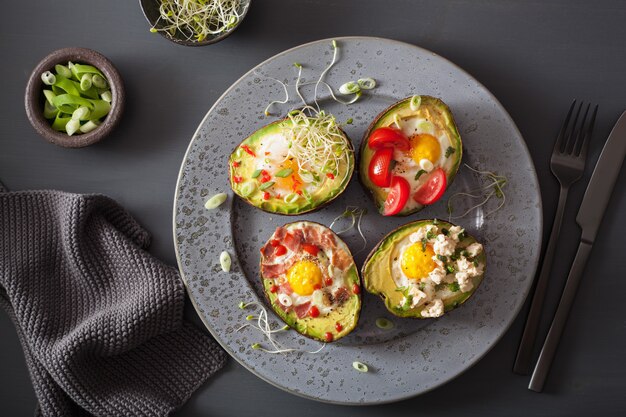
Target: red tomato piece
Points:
(397, 197)
(433, 188)
(237, 179)
(265, 176)
(328, 281)
(328, 336)
(248, 150)
(356, 289)
(266, 195)
(236, 164)
(312, 249)
(330, 175)
(274, 288)
(314, 312)
(280, 250)
(338, 327)
(380, 167)
(388, 136)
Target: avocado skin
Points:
(385, 244)
(281, 207)
(299, 325)
(364, 149)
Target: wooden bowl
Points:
(34, 98)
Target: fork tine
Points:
(580, 133)
(571, 136)
(585, 143)
(560, 138)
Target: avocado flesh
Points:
(432, 109)
(315, 328)
(377, 278)
(323, 195)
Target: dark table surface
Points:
(535, 56)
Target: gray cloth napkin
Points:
(100, 320)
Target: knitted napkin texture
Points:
(100, 320)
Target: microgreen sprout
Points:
(493, 185)
(196, 20)
(263, 324)
(354, 214)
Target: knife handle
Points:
(538, 378)
(523, 361)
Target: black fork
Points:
(567, 164)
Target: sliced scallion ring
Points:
(360, 366)
(225, 261)
(366, 83)
(89, 126)
(98, 81)
(106, 96)
(63, 71)
(81, 113)
(72, 126)
(48, 78)
(215, 201)
(291, 198)
(415, 102)
(85, 81)
(383, 323)
(247, 188)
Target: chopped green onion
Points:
(48, 78)
(383, 323)
(72, 126)
(63, 71)
(349, 88)
(225, 261)
(442, 258)
(256, 173)
(106, 96)
(450, 269)
(419, 174)
(85, 82)
(98, 81)
(89, 126)
(359, 366)
(366, 83)
(291, 198)
(415, 102)
(284, 173)
(215, 201)
(424, 242)
(266, 185)
(454, 287)
(81, 113)
(49, 111)
(450, 151)
(349, 121)
(247, 188)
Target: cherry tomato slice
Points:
(312, 249)
(328, 336)
(433, 189)
(356, 289)
(314, 312)
(388, 136)
(380, 167)
(338, 327)
(397, 197)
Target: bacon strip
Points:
(302, 310)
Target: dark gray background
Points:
(535, 56)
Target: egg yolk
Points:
(425, 146)
(416, 262)
(304, 277)
(291, 182)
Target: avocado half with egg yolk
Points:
(311, 281)
(435, 143)
(268, 172)
(424, 268)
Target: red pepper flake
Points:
(314, 312)
(331, 175)
(274, 288)
(266, 195)
(248, 150)
(317, 286)
(274, 242)
(299, 192)
(338, 327)
(278, 195)
(312, 249)
(280, 250)
(236, 164)
(328, 281)
(265, 176)
(356, 289)
(328, 336)
(237, 179)
(267, 153)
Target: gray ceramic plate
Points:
(416, 355)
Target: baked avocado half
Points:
(291, 167)
(410, 155)
(424, 268)
(310, 280)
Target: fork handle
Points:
(551, 343)
(525, 351)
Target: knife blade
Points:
(589, 216)
(602, 181)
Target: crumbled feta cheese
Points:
(437, 274)
(433, 309)
(418, 295)
(422, 232)
(463, 265)
(444, 245)
(454, 232)
(464, 280)
(474, 249)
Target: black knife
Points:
(589, 217)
